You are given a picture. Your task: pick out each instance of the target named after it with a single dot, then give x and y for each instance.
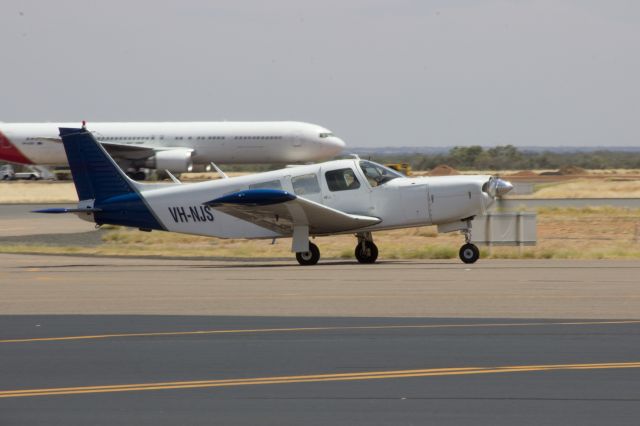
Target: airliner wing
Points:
(138, 152)
(134, 152)
(123, 150)
(279, 211)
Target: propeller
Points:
(497, 187)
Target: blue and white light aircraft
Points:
(336, 197)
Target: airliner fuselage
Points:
(176, 146)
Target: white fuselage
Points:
(219, 142)
(401, 202)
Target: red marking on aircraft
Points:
(8, 152)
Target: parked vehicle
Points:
(7, 173)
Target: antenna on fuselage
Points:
(172, 177)
(222, 174)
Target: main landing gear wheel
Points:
(367, 252)
(469, 253)
(311, 257)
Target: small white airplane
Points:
(177, 147)
(336, 197)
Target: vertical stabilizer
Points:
(99, 180)
(95, 174)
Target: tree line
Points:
(508, 157)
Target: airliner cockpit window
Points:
(325, 135)
(377, 174)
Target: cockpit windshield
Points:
(377, 174)
(325, 135)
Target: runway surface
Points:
(289, 370)
(440, 289)
(90, 340)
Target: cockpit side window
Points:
(272, 184)
(341, 180)
(305, 184)
(376, 174)
(325, 135)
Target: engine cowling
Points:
(175, 160)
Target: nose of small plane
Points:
(503, 187)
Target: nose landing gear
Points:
(469, 253)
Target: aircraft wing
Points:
(279, 211)
(123, 150)
(136, 152)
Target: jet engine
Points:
(174, 160)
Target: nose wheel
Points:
(311, 257)
(469, 253)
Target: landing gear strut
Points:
(311, 257)
(366, 251)
(469, 253)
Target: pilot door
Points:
(344, 189)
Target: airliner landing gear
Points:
(137, 175)
(310, 257)
(469, 253)
(366, 250)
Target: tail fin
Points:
(109, 193)
(95, 174)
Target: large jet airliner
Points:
(176, 147)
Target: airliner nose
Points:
(336, 145)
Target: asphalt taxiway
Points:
(95, 340)
(291, 370)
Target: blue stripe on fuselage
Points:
(254, 197)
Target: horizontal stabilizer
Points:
(280, 211)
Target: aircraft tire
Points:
(469, 253)
(369, 254)
(310, 257)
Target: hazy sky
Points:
(377, 73)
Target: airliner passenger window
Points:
(342, 180)
(272, 184)
(305, 184)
